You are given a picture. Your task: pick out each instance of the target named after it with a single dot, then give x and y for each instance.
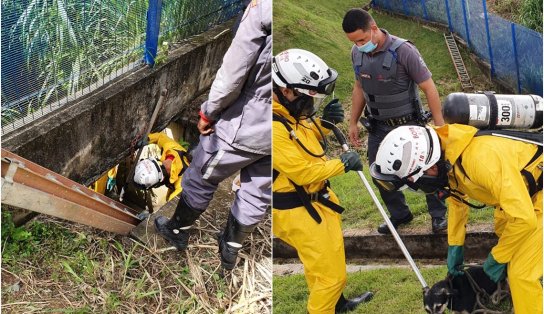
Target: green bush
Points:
(16, 241)
(36, 239)
(531, 14)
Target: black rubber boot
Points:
(440, 224)
(384, 229)
(231, 240)
(176, 229)
(344, 305)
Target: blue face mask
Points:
(369, 46)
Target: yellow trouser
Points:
(525, 267)
(320, 247)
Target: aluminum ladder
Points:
(462, 74)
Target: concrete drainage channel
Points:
(366, 250)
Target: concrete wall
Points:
(85, 138)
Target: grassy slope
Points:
(318, 28)
(397, 291)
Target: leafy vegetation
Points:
(525, 12)
(58, 48)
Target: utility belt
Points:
(394, 122)
(290, 200)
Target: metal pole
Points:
(152, 31)
(516, 56)
(394, 232)
(449, 16)
(484, 5)
(425, 14)
(405, 7)
(466, 23)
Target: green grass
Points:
(361, 211)
(396, 290)
(318, 28)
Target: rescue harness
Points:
(534, 185)
(290, 200)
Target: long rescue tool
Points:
(341, 138)
(130, 177)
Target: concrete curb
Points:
(420, 245)
(298, 269)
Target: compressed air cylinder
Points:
(491, 111)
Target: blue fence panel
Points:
(491, 41)
(396, 6)
(380, 4)
(436, 10)
(415, 8)
(457, 18)
(503, 51)
(529, 48)
(477, 30)
(54, 51)
(183, 18)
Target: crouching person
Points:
(502, 172)
(168, 170)
(235, 136)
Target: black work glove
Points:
(333, 112)
(351, 161)
(142, 142)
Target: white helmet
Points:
(405, 153)
(304, 71)
(148, 173)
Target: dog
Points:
(456, 293)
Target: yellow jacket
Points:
(487, 169)
(170, 147)
(293, 162)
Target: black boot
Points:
(343, 305)
(384, 229)
(440, 224)
(176, 229)
(231, 240)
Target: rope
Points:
(482, 297)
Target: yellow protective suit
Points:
(170, 147)
(320, 247)
(487, 169)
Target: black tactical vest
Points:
(386, 97)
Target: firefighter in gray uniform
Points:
(388, 71)
(235, 126)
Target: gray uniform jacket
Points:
(240, 97)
